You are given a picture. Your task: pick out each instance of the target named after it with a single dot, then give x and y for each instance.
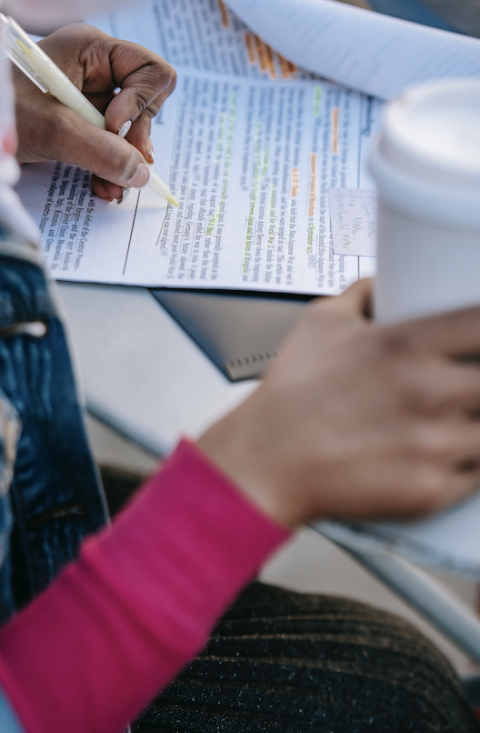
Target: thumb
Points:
(126, 115)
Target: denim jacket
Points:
(50, 493)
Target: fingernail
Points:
(125, 128)
(151, 149)
(125, 192)
(141, 177)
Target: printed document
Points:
(250, 162)
(200, 34)
(251, 154)
(353, 215)
(369, 51)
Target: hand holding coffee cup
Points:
(426, 162)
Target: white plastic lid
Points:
(432, 134)
(426, 159)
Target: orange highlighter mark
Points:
(292, 68)
(262, 55)
(250, 48)
(335, 115)
(286, 67)
(224, 12)
(295, 182)
(312, 202)
(260, 52)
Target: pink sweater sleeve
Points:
(90, 652)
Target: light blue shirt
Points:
(8, 720)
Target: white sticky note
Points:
(353, 214)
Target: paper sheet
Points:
(374, 53)
(449, 542)
(250, 162)
(200, 34)
(353, 215)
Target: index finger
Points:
(145, 80)
(455, 333)
(139, 133)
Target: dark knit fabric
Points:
(294, 663)
(288, 662)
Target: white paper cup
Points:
(426, 162)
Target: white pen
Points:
(49, 78)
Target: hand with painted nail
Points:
(99, 66)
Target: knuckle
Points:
(148, 114)
(173, 78)
(161, 73)
(393, 341)
(430, 486)
(119, 161)
(411, 373)
(130, 165)
(431, 442)
(142, 99)
(420, 397)
(92, 51)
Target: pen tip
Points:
(173, 201)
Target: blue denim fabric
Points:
(55, 496)
(8, 720)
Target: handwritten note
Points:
(353, 213)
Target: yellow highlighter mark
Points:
(265, 157)
(253, 197)
(312, 201)
(310, 237)
(228, 159)
(316, 101)
(220, 138)
(272, 231)
(168, 213)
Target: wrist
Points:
(240, 447)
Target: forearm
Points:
(138, 605)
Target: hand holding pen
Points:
(97, 65)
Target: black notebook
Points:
(241, 332)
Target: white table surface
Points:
(140, 368)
